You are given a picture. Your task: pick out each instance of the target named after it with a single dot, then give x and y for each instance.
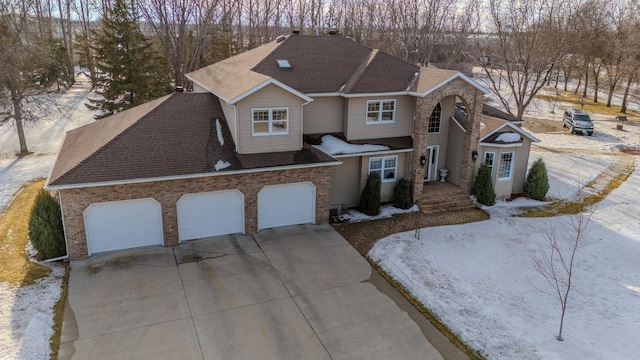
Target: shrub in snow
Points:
(45, 226)
(536, 185)
(483, 186)
(370, 197)
(402, 194)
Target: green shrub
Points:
(370, 197)
(402, 194)
(536, 185)
(45, 226)
(483, 186)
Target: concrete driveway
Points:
(299, 292)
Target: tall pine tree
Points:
(130, 71)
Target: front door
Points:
(431, 166)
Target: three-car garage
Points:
(125, 224)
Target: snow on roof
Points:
(219, 130)
(508, 137)
(221, 164)
(334, 146)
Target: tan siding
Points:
(386, 192)
(357, 118)
(506, 188)
(455, 147)
(198, 89)
(269, 97)
(344, 187)
(345, 117)
(323, 115)
(520, 167)
(230, 114)
(503, 187)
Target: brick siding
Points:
(75, 201)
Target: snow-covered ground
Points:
(476, 277)
(26, 313)
(26, 317)
(43, 137)
(479, 280)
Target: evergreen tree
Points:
(130, 70)
(370, 197)
(536, 184)
(402, 194)
(45, 226)
(483, 186)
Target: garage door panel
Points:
(210, 214)
(123, 224)
(288, 204)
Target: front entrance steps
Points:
(438, 197)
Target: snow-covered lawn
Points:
(478, 278)
(26, 315)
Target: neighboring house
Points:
(275, 136)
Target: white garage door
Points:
(210, 214)
(287, 204)
(123, 224)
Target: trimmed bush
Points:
(402, 194)
(370, 197)
(536, 185)
(483, 186)
(45, 226)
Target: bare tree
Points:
(522, 44)
(22, 58)
(554, 259)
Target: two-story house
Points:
(272, 137)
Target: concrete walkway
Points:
(299, 292)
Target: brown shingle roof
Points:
(318, 63)
(172, 136)
(233, 77)
(384, 73)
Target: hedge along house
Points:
(275, 136)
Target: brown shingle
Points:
(318, 63)
(177, 136)
(384, 73)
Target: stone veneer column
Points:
(473, 99)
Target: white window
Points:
(435, 119)
(381, 111)
(270, 121)
(506, 166)
(489, 159)
(385, 166)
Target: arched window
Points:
(435, 118)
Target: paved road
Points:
(299, 292)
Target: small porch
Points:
(437, 197)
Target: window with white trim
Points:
(489, 160)
(274, 121)
(506, 166)
(435, 119)
(386, 166)
(381, 111)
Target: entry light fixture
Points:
(423, 160)
(474, 155)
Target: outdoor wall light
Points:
(423, 160)
(474, 155)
